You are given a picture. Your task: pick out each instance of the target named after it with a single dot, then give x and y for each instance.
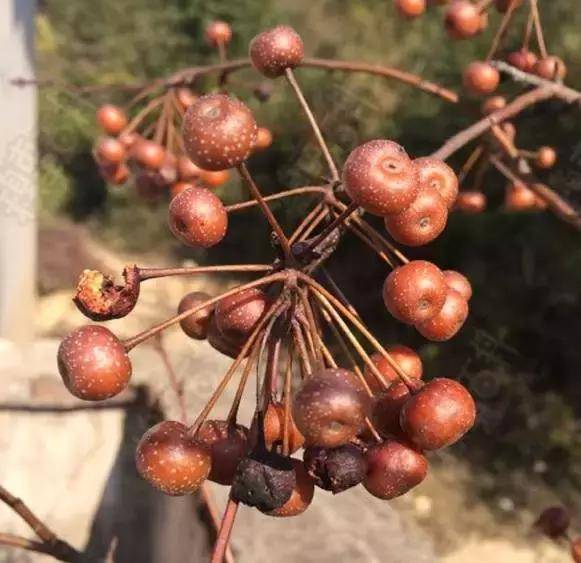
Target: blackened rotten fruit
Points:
(301, 495)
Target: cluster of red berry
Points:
(371, 425)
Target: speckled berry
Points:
(448, 321)
(387, 409)
(481, 78)
(237, 315)
(111, 119)
(227, 443)
(406, 358)
(195, 325)
(438, 415)
(471, 202)
(219, 132)
(463, 20)
(458, 282)
(422, 222)
(301, 496)
(275, 50)
(394, 468)
(523, 59)
(93, 363)
(415, 292)
(172, 461)
(380, 177)
(198, 218)
(437, 174)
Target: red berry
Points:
(220, 342)
(437, 174)
(411, 8)
(263, 139)
(458, 282)
(170, 460)
(275, 50)
(550, 68)
(237, 315)
(227, 444)
(110, 151)
(274, 428)
(481, 78)
(546, 157)
(301, 496)
(519, 197)
(394, 468)
(198, 218)
(463, 20)
(387, 409)
(554, 521)
(180, 187)
(111, 119)
(93, 363)
(422, 222)
(523, 59)
(218, 32)
(149, 154)
(470, 202)
(406, 358)
(213, 179)
(187, 170)
(219, 132)
(492, 104)
(380, 177)
(196, 325)
(329, 409)
(415, 292)
(446, 324)
(438, 415)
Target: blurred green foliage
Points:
(526, 272)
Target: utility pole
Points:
(18, 174)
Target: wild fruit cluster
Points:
(554, 522)
(373, 421)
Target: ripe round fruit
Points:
(411, 8)
(185, 97)
(415, 292)
(237, 315)
(275, 50)
(187, 170)
(492, 104)
(329, 411)
(422, 222)
(263, 139)
(180, 187)
(301, 496)
(394, 468)
(111, 119)
(196, 325)
(406, 358)
(463, 20)
(214, 178)
(546, 157)
(550, 68)
(149, 154)
(274, 428)
(523, 59)
(93, 363)
(471, 202)
(221, 343)
(218, 32)
(387, 409)
(554, 521)
(110, 151)
(172, 461)
(503, 5)
(437, 174)
(380, 177)
(198, 218)
(481, 78)
(438, 415)
(227, 444)
(446, 324)
(219, 132)
(458, 282)
(519, 198)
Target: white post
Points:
(18, 180)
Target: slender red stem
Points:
(225, 531)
